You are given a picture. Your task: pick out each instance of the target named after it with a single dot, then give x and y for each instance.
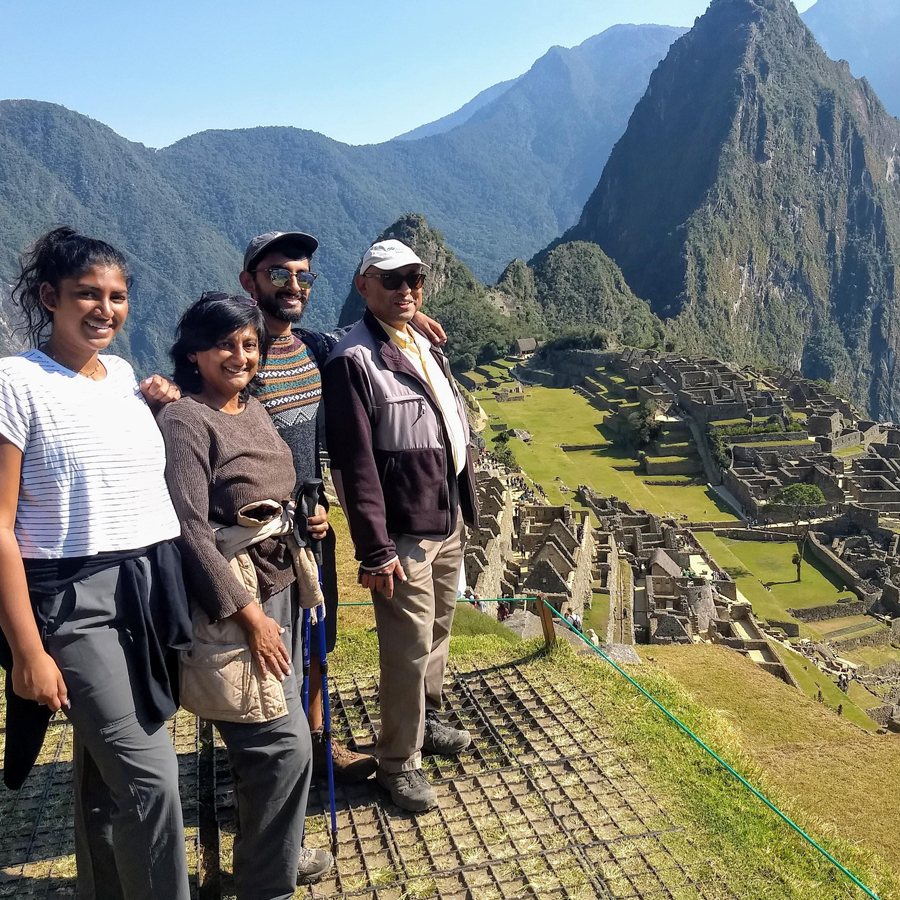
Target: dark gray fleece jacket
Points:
(390, 450)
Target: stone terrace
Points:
(676, 594)
(528, 548)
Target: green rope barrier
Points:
(464, 600)
(680, 724)
(714, 755)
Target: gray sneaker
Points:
(314, 865)
(409, 790)
(441, 738)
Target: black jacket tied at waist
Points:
(155, 613)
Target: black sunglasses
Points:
(281, 277)
(390, 281)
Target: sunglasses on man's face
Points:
(281, 277)
(390, 281)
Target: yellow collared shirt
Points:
(417, 349)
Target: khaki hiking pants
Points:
(413, 640)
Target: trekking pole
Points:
(311, 492)
(301, 535)
(306, 637)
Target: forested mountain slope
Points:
(501, 185)
(755, 199)
(574, 285)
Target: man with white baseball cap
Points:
(399, 445)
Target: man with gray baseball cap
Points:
(399, 446)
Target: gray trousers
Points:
(129, 834)
(271, 767)
(413, 642)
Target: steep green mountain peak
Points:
(755, 199)
(480, 322)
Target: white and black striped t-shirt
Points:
(93, 467)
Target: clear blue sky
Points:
(356, 70)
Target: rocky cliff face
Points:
(754, 200)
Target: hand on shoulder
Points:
(159, 391)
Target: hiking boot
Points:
(314, 864)
(409, 790)
(349, 767)
(441, 738)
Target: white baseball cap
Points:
(389, 255)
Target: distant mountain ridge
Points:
(867, 34)
(500, 185)
(754, 201)
(461, 115)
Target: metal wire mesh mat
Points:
(36, 838)
(544, 805)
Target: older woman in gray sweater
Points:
(223, 457)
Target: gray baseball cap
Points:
(275, 240)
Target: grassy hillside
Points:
(556, 416)
(758, 724)
(829, 767)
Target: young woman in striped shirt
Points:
(91, 596)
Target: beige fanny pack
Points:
(218, 678)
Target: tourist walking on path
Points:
(91, 597)
(399, 445)
(277, 275)
(229, 470)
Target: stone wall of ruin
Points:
(832, 611)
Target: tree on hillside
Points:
(635, 429)
(801, 501)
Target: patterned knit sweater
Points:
(291, 396)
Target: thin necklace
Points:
(91, 375)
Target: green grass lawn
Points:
(498, 372)
(725, 423)
(862, 697)
(597, 617)
(851, 451)
(872, 656)
(467, 621)
(655, 479)
(560, 416)
(770, 563)
(812, 681)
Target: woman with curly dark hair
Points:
(91, 594)
(231, 478)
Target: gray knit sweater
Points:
(215, 465)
